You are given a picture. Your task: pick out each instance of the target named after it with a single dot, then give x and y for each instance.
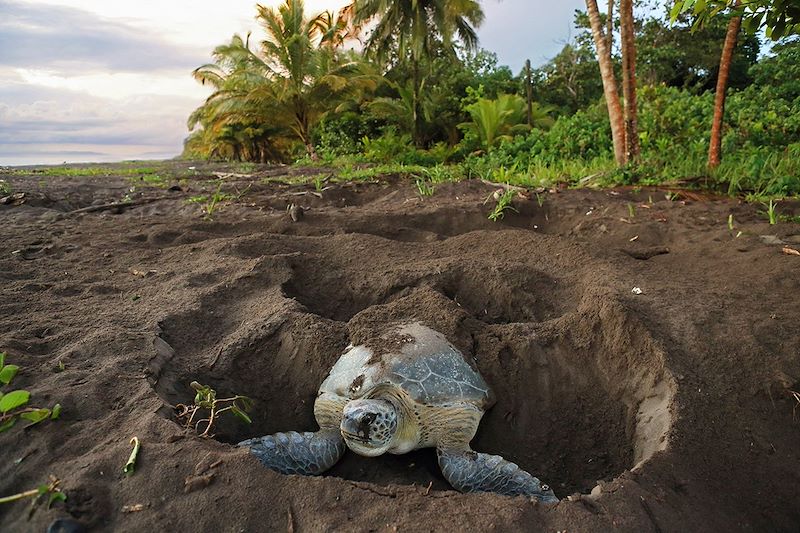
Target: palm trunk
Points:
(304, 132)
(715, 148)
(416, 115)
(629, 80)
(609, 83)
(529, 91)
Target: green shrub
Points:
(761, 145)
(341, 135)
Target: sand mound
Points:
(583, 390)
(660, 411)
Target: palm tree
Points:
(283, 90)
(629, 80)
(609, 82)
(306, 79)
(715, 147)
(399, 111)
(336, 29)
(414, 30)
(419, 27)
(231, 126)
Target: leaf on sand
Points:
(14, 399)
(57, 496)
(241, 414)
(35, 416)
(244, 403)
(131, 464)
(56, 412)
(8, 424)
(7, 373)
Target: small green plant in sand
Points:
(424, 187)
(503, 204)
(771, 212)
(442, 173)
(130, 466)
(14, 404)
(730, 222)
(631, 211)
(128, 196)
(504, 175)
(49, 492)
(209, 203)
(245, 167)
(319, 181)
(5, 188)
(207, 408)
(154, 180)
(379, 171)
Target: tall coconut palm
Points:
(289, 84)
(307, 79)
(610, 90)
(731, 36)
(232, 127)
(629, 80)
(419, 27)
(415, 29)
(335, 29)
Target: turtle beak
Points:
(352, 428)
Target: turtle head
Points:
(368, 426)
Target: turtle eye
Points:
(368, 418)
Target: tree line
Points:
(405, 80)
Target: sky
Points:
(110, 80)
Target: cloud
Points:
(66, 39)
(49, 125)
(110, 80)
(521, 29)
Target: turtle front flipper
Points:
(470, 471)
(307, 454)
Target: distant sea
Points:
(22, 154)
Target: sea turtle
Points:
(408, 389)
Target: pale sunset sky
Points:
(107, 80)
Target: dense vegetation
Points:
(422, 93)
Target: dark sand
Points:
(664, 411)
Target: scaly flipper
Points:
(307, 454)
(470, 471)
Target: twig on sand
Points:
(227, 175)
(790, 251)
(216, 358)
(117, 205)
(796, 396)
